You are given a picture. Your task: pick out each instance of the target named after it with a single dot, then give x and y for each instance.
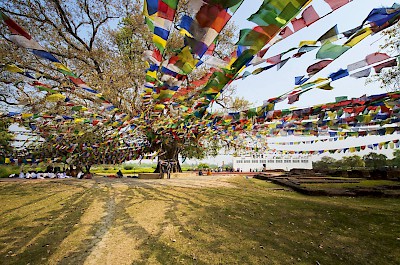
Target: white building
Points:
(256, 162)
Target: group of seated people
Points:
(40, 175)
(52, 173)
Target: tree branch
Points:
(4, 100)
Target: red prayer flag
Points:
(14, 27)
(293, 98)
(390, 63)
(274, 59)
(207, 15)
(286, 32)
(211, 49)
(165, 11)
(310, 15)
(335, 4)
(221, 20)
(314, 68)
(298, 24)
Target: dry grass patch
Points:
(149, 214)
(75, 241)
(116, 247)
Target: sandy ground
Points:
(220, 219)
(125, 214)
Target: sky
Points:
(272, 83)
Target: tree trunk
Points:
(87, 167)
(169, 154)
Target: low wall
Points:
(173, 175)
(148, 175)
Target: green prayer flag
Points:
(171, 3)
(330, 50)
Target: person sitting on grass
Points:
(80, 175)
(119, 174)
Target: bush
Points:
(6, 170)
(203, 166)
(128, 167)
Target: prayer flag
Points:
(316, 67)
(298, 24)
(330, 35)
(339, 74)
(309, 15)
(335, 4)
(359, 36)
(330, 50)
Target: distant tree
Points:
(350, 162)
(326, 162)
(396, 159)
(5, 137)
(203, 166)
(374, 160)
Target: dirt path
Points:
(187, 182)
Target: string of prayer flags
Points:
(209, 20)
(307, 18)
(376, 146)
(379, 57)
(159, 16)
(378, 60)
(23, 39)
(381, 16)
(361, 73)
(270, 18)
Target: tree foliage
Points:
(390, 77)
(326, 162)
(374, 160)
(5, 137)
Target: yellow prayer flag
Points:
(13, 68)
(62, 67)
(55, 97)
(325, 86)
(307, 42)
(359, 36)
(160, 41)
(26, 115)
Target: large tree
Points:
(103, 42)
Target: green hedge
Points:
(6, 170)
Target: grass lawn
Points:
(126, 221)
(362, 184)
